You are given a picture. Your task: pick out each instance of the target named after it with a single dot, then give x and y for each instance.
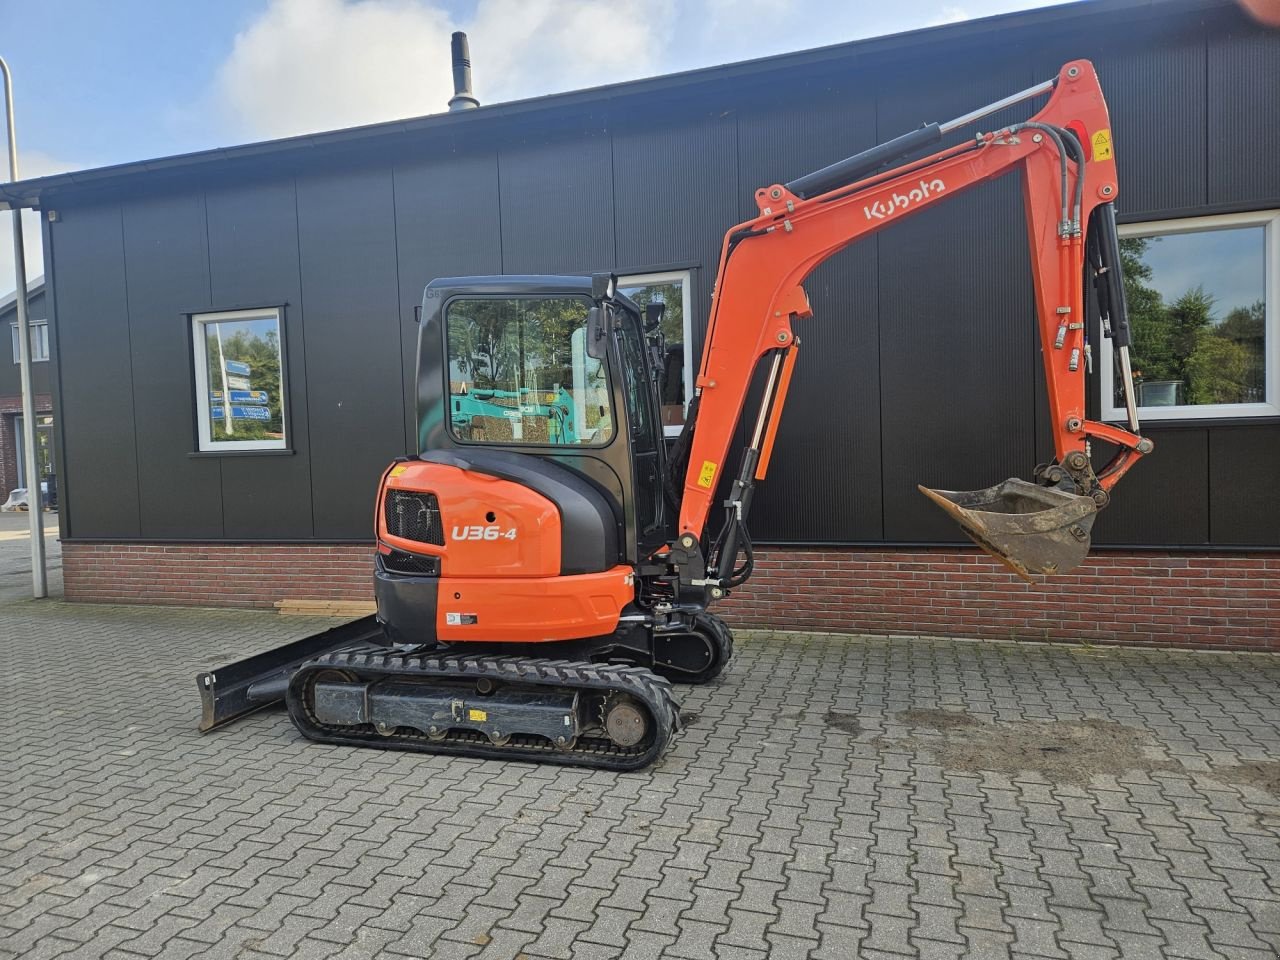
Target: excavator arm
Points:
(1068, 169)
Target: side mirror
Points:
(597, 333)
(603, 286)
(653, 313)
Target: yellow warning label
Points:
(1102, 145)
(399, 469)
(477, 716)
(707, 476)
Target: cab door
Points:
(645, 431)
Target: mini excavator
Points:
(538, 590)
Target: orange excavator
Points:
(538, 590)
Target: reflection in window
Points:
(671, 289)
(1197, 299)
(519, 373)
(239, 380)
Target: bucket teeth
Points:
(1029, 528)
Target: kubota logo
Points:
(882, 209)
(491, 532)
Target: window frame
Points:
(685, 278)
(448, 417)
(1269, 220)
(200, 361)
(32, 325)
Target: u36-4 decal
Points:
(491, 532)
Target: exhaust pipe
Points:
(463, 98)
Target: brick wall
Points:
(1209, 600)
(223, 575)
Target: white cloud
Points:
(31, 164)
(308, 65)
(527, 48)
(949, 15)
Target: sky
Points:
(99, 83)
(1229, 265)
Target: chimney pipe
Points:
(463, 98)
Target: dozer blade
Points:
(1029, 528)
(240, 688)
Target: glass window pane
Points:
(39, 340)
(245, 387)
(671, 384)
(519, 373)
(1197, 306)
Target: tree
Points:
(1152, 353)
(262, 354)
(1218, 371)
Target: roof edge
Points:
(29, 193)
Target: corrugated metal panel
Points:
(958, 349)
(97, 416)
(824, 481)
(253, 258)
(447, 225)
(1244, 124)
(1164, 498)
(1155, 89)
(557, 206)
(675, 191)
(167, 264)
(346, 232)
(1244, 462)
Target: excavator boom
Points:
(1068, 168)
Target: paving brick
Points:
(143, 839)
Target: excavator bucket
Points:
(1029, 528)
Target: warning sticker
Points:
(1102, 145)
(707, 476)
(460, 619)
(397, 470)
(477, 716)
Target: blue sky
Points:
(1229, 264)
(98, 83)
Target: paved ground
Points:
(834, 798)
(15, 555)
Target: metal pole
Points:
(226, 388)
(35, 498)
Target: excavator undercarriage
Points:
(544, 565)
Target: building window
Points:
(675, 379)
(39, 330)
(239, 380)
(1202, 297)
(519, 373)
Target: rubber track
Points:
(652, 691)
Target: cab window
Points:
(519, 373)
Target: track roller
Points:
(546, 711)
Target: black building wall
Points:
(10, 376)
(920, 366)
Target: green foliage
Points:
(262, 353)
(1216, 361)
(511, 344)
